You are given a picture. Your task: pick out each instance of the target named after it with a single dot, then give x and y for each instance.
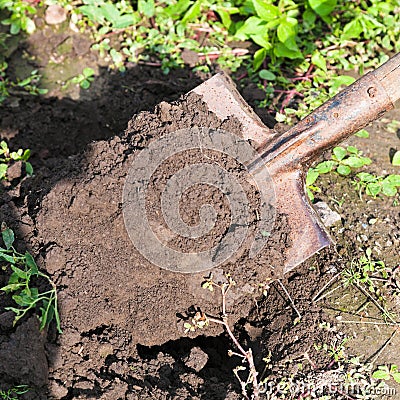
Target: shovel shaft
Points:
(349, 111)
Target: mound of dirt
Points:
(112, 299)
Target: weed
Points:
(7, 157)
(29, 84)
(393, 126)
(20, 13)
(385, 372)
(373, 185)
(13, 393)
(342, 161)
(84, 79)
(24, 268)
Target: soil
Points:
(123, 317)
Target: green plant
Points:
(396, 159)
(386, 372)
(363, 269)
(84, 79)
(29, 84)
(343, 160)
(375, 185)
(393, 126)
(19, 16)
(13, 393)
(24, 270)
(7, 156)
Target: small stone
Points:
(328, 216)
(57, 391)
(55, 14)
(105, 350)
(14, 171)
(84, 385)
(197, 359)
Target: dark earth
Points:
(122, 317)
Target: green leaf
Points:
(325, 167)
(339, 152)
(259, 57)
(286, 29)
(310, 194)
(85, 84)
(12, 287)
(30, 26)
(192, 13)
(354, 162)
(15, 29)
(31, 264)
(225, 17)
(343, 170)
(94, 13)
(3, 170)
(312, 176)
(8, 237)
(8, 258)
(396, 376)
(178, 8)
(323, 7)
(352, 150)
(342, 80)
(262, 41)
(363, 133)
(319, 60)
(110, 12)
(88, 72)
(366, 177)
(26, 155)
(281, 50)
(381, 374)
(125, 20)
(252, 26)
(396, 159)
(309, 17)
(388, 189)
(29, 168)
(19, 272)
(352, 30)
(267, 12)
(373, 189)
(267, 75)
(393, 179)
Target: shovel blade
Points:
(307, 234)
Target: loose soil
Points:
(122, 317)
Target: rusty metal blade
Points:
(223, 99)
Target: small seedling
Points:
(13, 393)
(343, 160)
(362, 134)
(24, 270)
(7, 157)
(84, 79)
(375, 185)
(393, 126)
(386, 372)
